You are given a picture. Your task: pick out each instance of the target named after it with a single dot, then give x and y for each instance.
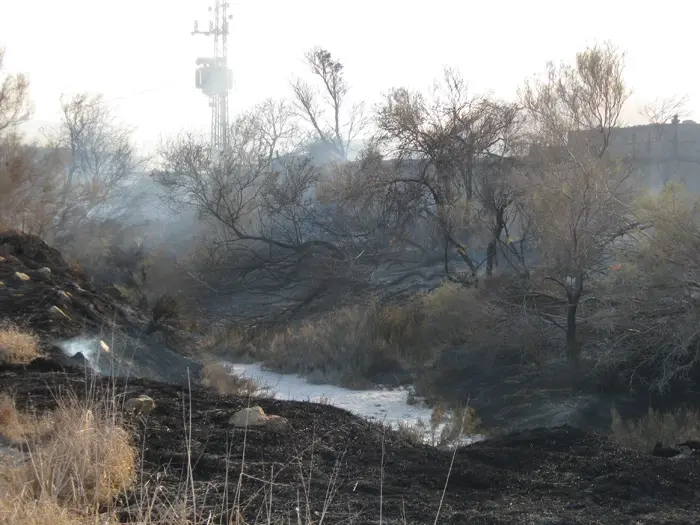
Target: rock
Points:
(278, 423)
(20, 276)
(255, 417)
(42, 274)
(2, 259)
(57, 313)
(140, 405)
(79, 359)
(252, 417)
(63, 297)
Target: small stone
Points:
(22, 276)
(63, 297)
(2, 259)
(79, 359)
(42, 274)
(57, 313)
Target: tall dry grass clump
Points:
(76, 458)
(339, 347)
(17, 346)
(667, 428)
(345, 344)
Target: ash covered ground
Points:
(539, 476)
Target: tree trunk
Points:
(490, 257)
(573, 348)
(492, 248)
(573, 345)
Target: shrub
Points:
(17, 346)
(667, 428)
(344, 345)
(165, 308)
(234, 341)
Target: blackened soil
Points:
(544, 476)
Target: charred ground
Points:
(556, 475)
(331, 459)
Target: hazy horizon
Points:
(141, 55)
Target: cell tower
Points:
(213, 76)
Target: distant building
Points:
(661, 152)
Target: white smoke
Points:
(92, 348)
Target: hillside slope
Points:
(541, 476)
(40, 292)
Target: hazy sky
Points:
(140, 54)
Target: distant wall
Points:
(660, 152)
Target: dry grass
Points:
(217, 376)
(339, 348)
(667, 428)
(38, 512)
(17, 346)
(446, 428)
(233, 341)
(344, 345)
(77, 458)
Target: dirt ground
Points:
(333, 459)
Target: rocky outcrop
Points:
(40, 291)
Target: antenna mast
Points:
(213, 76)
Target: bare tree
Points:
(101, 164)
(15, 106)
(29, 179)
(273, 243)
(586, 97)
(333, 123)
(662, 110)
(443, 145)
(30, 183)
(577, 198)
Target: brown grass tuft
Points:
(667, 428)
(41, 512)
(77, 456)
(17, 346)
(215, 375)
(11, 427)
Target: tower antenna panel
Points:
(213, 76)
